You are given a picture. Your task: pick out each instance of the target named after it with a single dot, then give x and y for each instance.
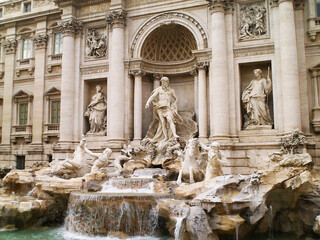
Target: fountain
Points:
(171, 185)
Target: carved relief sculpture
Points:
(96, 44)
(96, 112)
(166, 115)
(255, 100)
(253, 21)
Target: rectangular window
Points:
(21, 160)
(23, 114)
(1, 12)
(26, 48)
(55, 111)
(318, 7)
(58, 43)
(27, 7)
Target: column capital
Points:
(202, 64)
(137, 72)
(40, 41)
(219, 5)
(157, 76)
(116, 18)
(298, 4)
(10, 46)
(70, 27)
(194, 72)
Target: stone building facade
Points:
(55, 52)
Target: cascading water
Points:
(96, 214)
(270, 223)
(129, 186)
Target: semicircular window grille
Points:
(168, 43)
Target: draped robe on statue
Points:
(164, 105)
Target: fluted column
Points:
(116, 81)
(69, 28)
(219, 87)
(137, 122)
(202, 99)
(40, 41)
(289, 63)
(10, 50)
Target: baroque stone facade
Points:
(59, 51)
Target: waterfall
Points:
(128, 186)
(270, 223)
(96, 214)
(179, 213)
(237, 232)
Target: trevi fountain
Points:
(170, 186)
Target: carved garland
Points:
(168, 16)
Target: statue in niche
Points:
(253, 23)
(166, 114)
(254, 98)
(96, 44)
(215, 163)
(96, 112)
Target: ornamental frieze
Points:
(253, 21)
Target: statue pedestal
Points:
(259, 127)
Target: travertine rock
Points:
(316, 226)
(226, 224)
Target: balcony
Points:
(50, 130)
(22, 132)
(25, 67)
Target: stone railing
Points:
(50, 130)
(21, 131)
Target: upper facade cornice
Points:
(78, 3)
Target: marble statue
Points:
(190, 167)
(100, 160)
(96, 112)
(254, 98)
(253, 22)
(214, 163)
(96, 45)
(164, 102)
(73, 167)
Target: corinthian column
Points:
(219, 87)
(69, 29)
(40, 41)
(137, 104)
(289, 63)
(10, 50)
(116, 81)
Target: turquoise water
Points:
(57, 234)
(61, 234)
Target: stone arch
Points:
(183, 19)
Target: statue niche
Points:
(255, 101)
(97, 113)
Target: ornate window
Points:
(55, 111)
(27, 7)
(26, 48)
(168, 43)
(22, 127)
(23, 114)
(58, 43)
(52, 114)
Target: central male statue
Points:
(166, 114)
